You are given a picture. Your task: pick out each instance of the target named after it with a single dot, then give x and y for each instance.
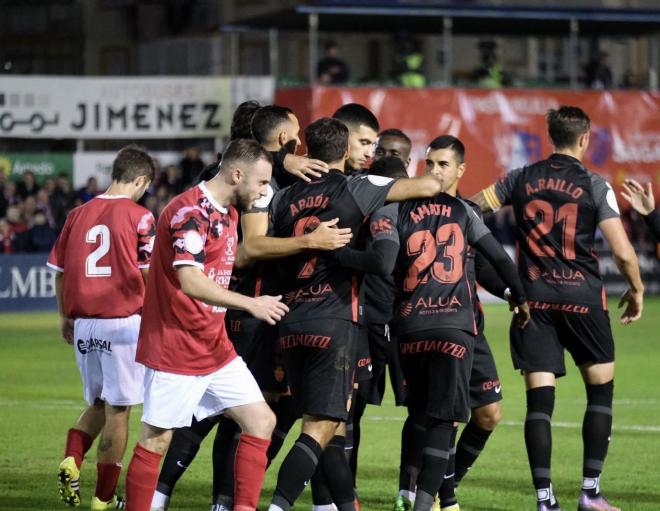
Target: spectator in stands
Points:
(48, 185)
(89, 191)
(191, 165)
(490, 74)
(17, 229)
(29, 209)
(41, 236)
(6, 237)
(172, 180)
(598, 74)
(61, 200)
(43, 204)
(331, 70)
(28, 185)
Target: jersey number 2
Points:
(425, 244)
(91, 267)
(567, 214)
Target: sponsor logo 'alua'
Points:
(85, 346)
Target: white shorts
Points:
(171, 400)
(105, 352)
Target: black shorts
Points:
(384, 353)
(255, 341)
(437, 364)
(540, 345)
(485, 386)
(363, 363)
(320, 357)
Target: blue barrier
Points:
(26, 283)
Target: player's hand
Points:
(302, 167)
(327, 236)
(268, 308)
(520, 314)
(634, 304)
(641, 200)
(66, 327)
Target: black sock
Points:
(224, 452)
(436, 456)
(182, 451)
(297, 468)
(596, 430)
(470, 444)
(359, 408)
(447, 491)
(337, 473)
(286, 417)
(320, 491)
(412, 444)
(538, 438)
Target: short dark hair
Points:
(244, 150)
(327, 139)
(396, 133)
(388, 166)
(354, 114)
(566, 124)
(266, 119)
(242, 118)
(449, 142)
(133, 161)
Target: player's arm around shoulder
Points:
(197, 285)
(258, 245)
(423, 187)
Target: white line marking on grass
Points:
(645, 428)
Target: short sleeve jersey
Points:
(433, 287)
(379, 290)
(180, 334)
(558, 205)
(318, 287)
(102, 248)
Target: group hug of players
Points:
(282, 287)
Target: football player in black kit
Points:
(435, 314)
(319, 338)
(558, 205)
(362, 132)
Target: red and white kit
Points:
(102, 249)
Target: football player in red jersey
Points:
(191, 365)
(102, 257)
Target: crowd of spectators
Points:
(32, 214)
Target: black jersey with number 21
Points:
(558, 205)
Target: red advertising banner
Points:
(504, 129)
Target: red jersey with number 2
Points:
(180, 334)
(102, 248)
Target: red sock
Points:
(77, 444)
(141, 479)
(249, 467)
(106, 480)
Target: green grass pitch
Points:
(40, 398)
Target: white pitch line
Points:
(645, 428)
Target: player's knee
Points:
(262, 423)
(601, 394)
(488, 417)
